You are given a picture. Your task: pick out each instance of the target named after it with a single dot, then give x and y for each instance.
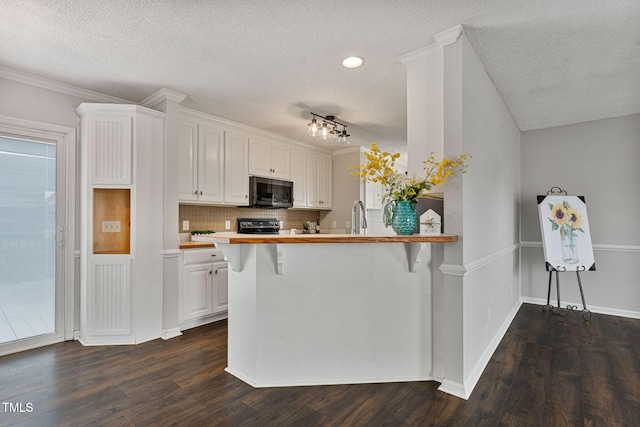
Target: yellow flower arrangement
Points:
(402, 187)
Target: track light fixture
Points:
(327, 128)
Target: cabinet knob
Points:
(211, 272)
(216, 272)
(201, 192)
(246, 196)
(214, 255)
(195, 192)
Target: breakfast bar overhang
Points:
(329, 308)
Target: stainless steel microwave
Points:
(270, 193)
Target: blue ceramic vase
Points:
(404, 220)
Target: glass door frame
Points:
(66, 256)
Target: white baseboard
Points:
(594, 309)
(323, 381)
(463, 391)
(170, 333)
(454, 388)
(193, 323)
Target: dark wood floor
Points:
(544, 372)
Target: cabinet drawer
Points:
(199, 256)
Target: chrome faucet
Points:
(363, 217)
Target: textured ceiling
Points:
(267, 64)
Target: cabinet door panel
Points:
(236, 169)
(220, 287)
(259, 158)
(196, 297)
(325, 182)
(280, 161)
(373, 195)
(299, 178)
(210, 164)
(187, 166)
(111, 147)
(109, 296)
(313, 186)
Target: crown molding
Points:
(421, 53)
(446, 37)
(162, 95)
(442, 39)
(52, 85)
(195, 113)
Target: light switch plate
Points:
(227, 225)
(185, 225)
(110, 226)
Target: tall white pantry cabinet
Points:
(121, 223)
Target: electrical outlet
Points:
(185, 225)
(281, 225)
(348, 225)
(333, 224)
(110, 226)
(227, 225)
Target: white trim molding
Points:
(44, 83)
(167, 334)
(447, 37)
(592, 308)
(465, 269)
(442, 39)
(162, 95)
(596, 247)
(171, 253)
(463, 391)
(421, 53)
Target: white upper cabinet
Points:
(201, 164)
(236, 168)
(188, 161)
(210, 163)
(373, 195)
(217, 157)
(299, 178)
(213, 162)
(319, 181)
(325, 178)
(269, 158)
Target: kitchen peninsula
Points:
(329, 308)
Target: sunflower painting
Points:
(565, 233)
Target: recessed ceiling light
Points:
(352, 62)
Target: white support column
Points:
(169, 101)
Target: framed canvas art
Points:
(566, 237)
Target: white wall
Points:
(480, 285)
(598, 160)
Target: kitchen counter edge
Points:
(236, 238)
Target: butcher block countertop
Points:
(194, 245)
(235, 238)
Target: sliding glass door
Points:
(31, 303)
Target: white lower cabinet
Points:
(203, 288)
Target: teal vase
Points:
(404, 220)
